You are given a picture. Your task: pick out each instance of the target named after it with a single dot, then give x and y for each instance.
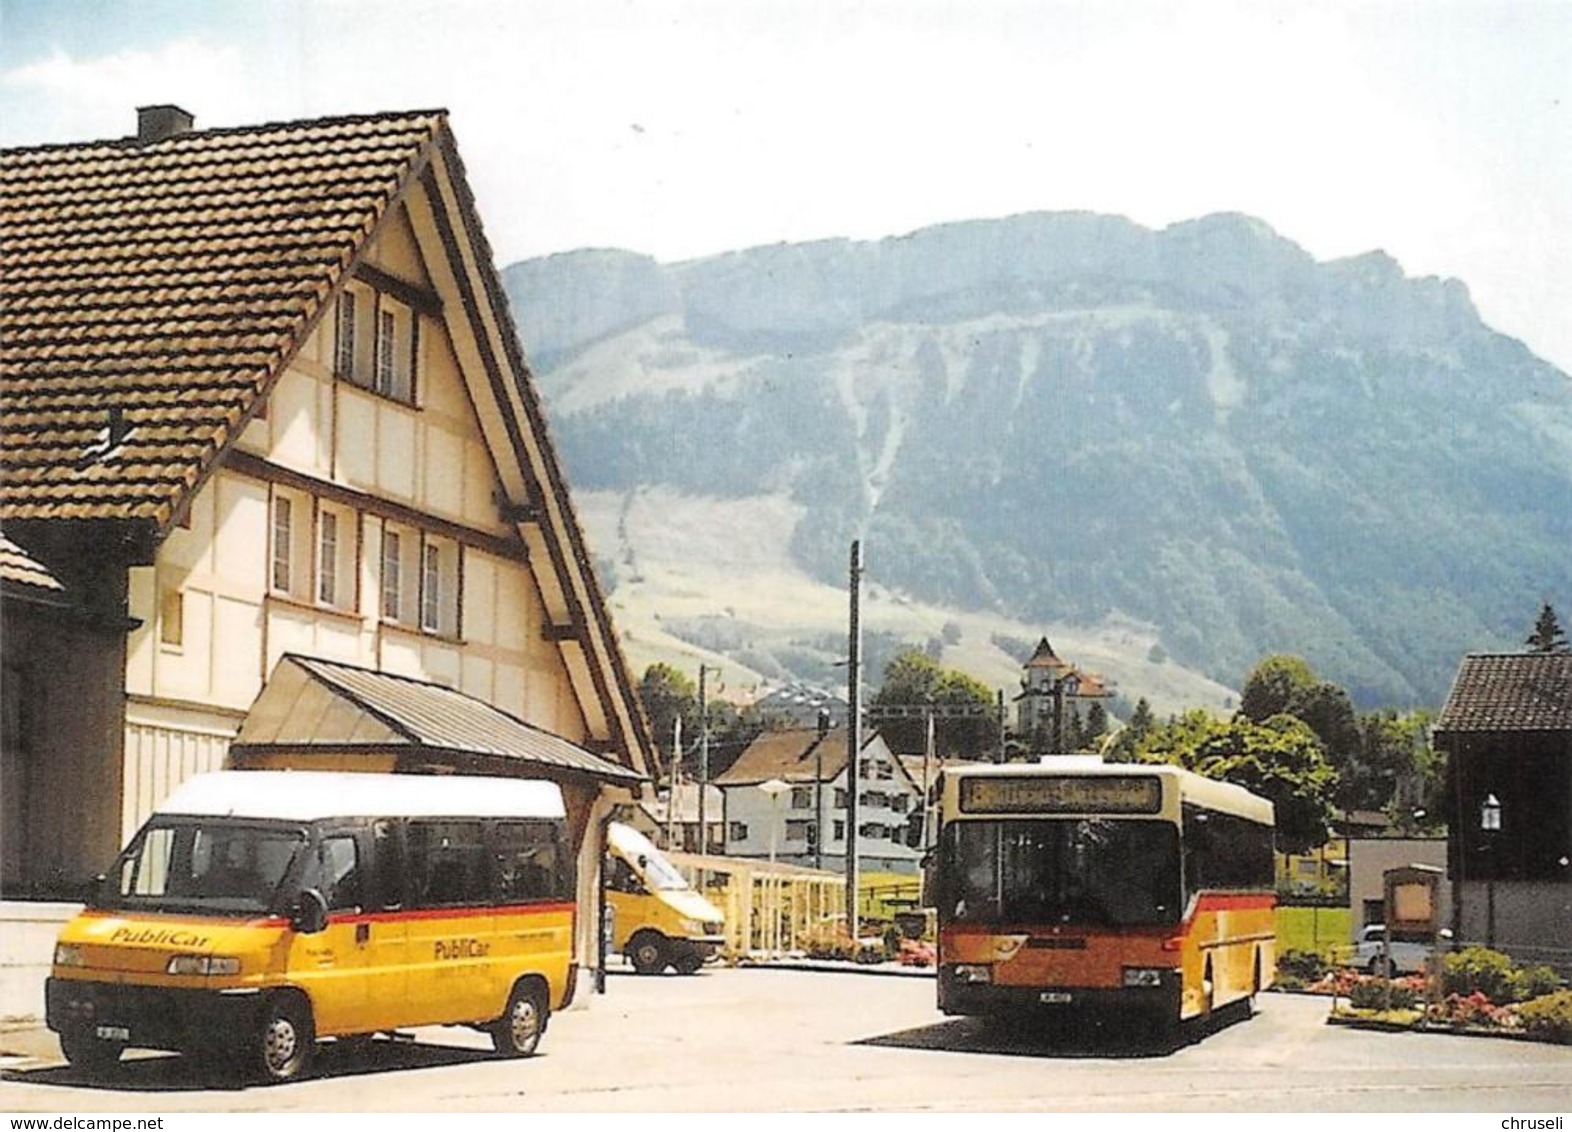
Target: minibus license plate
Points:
(1054, 997)
(113, 1033)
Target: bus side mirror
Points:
(310, 914)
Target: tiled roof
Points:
(149, 293)
(792, 755)
(19, 568)
(404, 710)
(1510, 692)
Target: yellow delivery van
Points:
(658, 919)
(258, 911)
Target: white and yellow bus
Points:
(259, 911)
(1075, 884)
(659, 920)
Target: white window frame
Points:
(337, 544)
(391, 585)
(393, 366)
(291, 551)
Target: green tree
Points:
(1287, 685)
(1547, 635)
(668, 694)
(913, 678)
(1280, 759)
(1273, 686)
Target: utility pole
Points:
(674, 780)
(853, 735)
(704, 754)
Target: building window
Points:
(283, 541)
(840, 829)
(172, 618)
(431, 587)
(289, 556)
(344, 357)
(840, 797)
(738, 831)
(392, 574)
(802, 797)
(440, 562)
(337, 537)
(899, 803)
(327, 558)
(375, 341)
(395, 364)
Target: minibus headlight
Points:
(1143, 976)
(69, 955)
(203, 965)
(693, 927)
(973, 973)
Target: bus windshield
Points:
(1083, 871)
(205, 865)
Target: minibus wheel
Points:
(85, 1051)
(688, 962)
(517, 1033)
(283, 1041)
(648, 952)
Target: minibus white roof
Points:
(627, 840)
(309, 795)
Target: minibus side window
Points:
(387, 865)
(337, 873)
(447, 863)
(528, 861)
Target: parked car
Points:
(1410, 954)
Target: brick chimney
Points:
(155, 123)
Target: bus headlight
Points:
(692, 927)
(1143, 976)
(203, 965)
(69, 955)
(973, 973)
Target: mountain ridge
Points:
(1067, 417)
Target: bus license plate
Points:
(1054, 997)
(113, 1033)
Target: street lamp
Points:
(775, 788)
(1490, 828)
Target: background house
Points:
(673, 823)
(1507, 731)
(1053, 691)
(811, 802)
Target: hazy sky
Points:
(1437, 130)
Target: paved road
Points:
(770, 1041)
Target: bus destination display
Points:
(1063, 794)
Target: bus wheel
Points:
(517, 1033)
(85, 1051)
(284, 1040)
(688, 962)
(648, 952)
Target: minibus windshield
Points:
(205, 865)
(660, 875)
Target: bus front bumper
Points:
(962, 996)
(150, 1017)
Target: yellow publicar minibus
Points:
(658, 918)
(1073, 884)
(259, 911)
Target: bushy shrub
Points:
(1534, 982)
(1548, 1017)
(1479, 970)
(1303, 966)
(1473, 1010)
(1372, 994)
